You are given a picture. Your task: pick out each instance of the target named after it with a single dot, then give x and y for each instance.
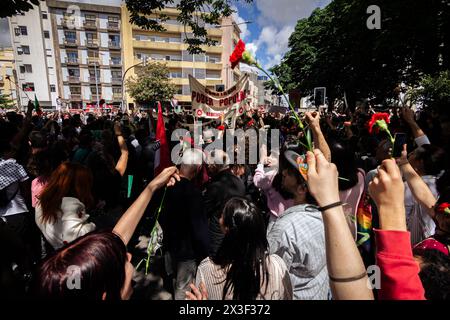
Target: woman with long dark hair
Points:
(97, 266)
(240, 270)
(61, 210)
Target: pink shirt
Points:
(351, 198)
(37, 185)
(275, 202)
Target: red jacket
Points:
(399, 271)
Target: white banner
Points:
(208, 103)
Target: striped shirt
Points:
(278, 287)
(298, 237)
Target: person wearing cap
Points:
(184, 224)
(298, 237)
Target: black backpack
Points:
(5, 198)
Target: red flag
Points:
(162, 159)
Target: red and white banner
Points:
(208, 103)
(162, 156)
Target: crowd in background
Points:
(81, 190)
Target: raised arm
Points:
(399, 271)
(348, 277)
(121, 165)
(419, 135)
(418, 187)
(127, 224)
(313, 119)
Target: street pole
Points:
(123, 83)
(96, 82)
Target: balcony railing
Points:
(113, 26)
(117, 96)
(72, 61)
(92, 43)
(75, 96)
(114, 44)
(93, 79)
(90, 24)
(96, 97)
(116, 80)
(93, 60)
(115, 64)
(74, 79)
(70, 42)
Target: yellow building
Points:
(211, 68)
(7, 87)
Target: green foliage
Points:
(13, 7)
(434, 91)
(193, 14)
(6, 102)
(151, 84)
(335, 49)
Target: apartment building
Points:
(88, 43)
(212, 68)
(34, 55)
(8, 87)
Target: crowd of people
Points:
(79, 199)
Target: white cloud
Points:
(251, 47)
(283, 12)
(277, 20)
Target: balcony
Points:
(70, 42)
(93, 79)
(93, 60)
(116, 80)
(90, 24)
(113, 26)
(74, 79)
(92, 43)
(95, 97)
(115, 64)
(117, 96)
(114, 45)
(72, 61)
(68, 23)
(75, 97)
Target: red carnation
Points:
(376, 117)
(444, 208)
(221, 128)
(236, 56)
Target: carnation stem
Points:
(152, 234)
(279, 87)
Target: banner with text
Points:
(208, 103)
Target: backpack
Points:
(5, 198)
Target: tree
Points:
(335, 48)
(434, 91)
(151, 84)
(193, 15)
(5, 102)
(13, 7)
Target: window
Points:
(17, 31)
(44, 15)
(29, 86)
(22, 69)
(186, 90)
(23, 30)
(117, 90)
(113, 19)
(91, 36)
(72, 55)
(94, 89)
(115, 60)
(52, 88)
(74, 72)
(19, 50)
(26, 49)
(116, 75)
(92, 54)
(90, 17)
(71, 36)
(46, 34)
(187, 72)
(75, 90)
(28, 68)
(200, 73)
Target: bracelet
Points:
(330, 206)
(362, 275)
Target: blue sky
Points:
(273, 21)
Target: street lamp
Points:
(144, 62)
